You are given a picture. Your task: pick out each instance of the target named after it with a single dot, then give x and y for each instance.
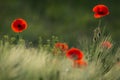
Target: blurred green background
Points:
(69, 20)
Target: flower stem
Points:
(99, 24)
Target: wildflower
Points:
(18, 25)
(61, 46)
(106, 44)
(100, 10)
(79, 63)
(74, 54)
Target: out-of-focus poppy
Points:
(74, 54)
(79, 63)
(100, 10)
(18, 25)
(61, 46)
(106, 44)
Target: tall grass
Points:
(22, 62)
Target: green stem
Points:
(17, 38)
(99, 24)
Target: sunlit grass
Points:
(21, 61)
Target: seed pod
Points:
(97, 34)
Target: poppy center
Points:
(74, 56)
(100, 12)
(19, 26)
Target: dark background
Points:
(69, 20)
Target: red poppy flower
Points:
(74, 54)
(18, 25)
(100, 11)
(61, 46)
(106, 44)
(79, 63)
